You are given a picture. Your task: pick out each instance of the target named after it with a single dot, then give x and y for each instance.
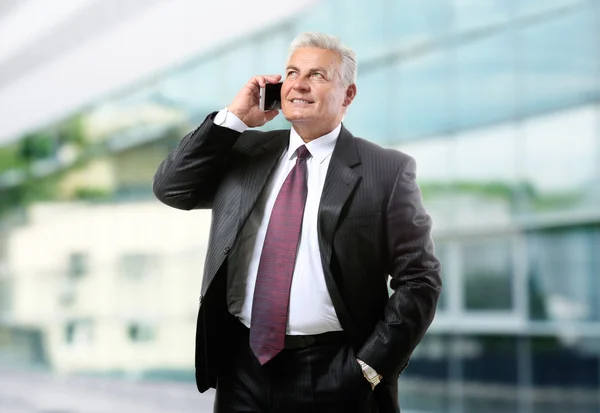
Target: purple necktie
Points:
(276, 266)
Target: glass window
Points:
(79, 332)
(485, 83)
(560, 165)
(563, 268)
(566, 362)
(560, 61)
(488, 275)
(324, 17)
(472, 14)
(410, 23)
(141, 332)
(434, 159)
(431, 362)
(368, 116)
(489, 363)
(484, 176)
(78, 264)
(238, 65)
(6, 296)
(536, 6)
(419, 101)
(361, 27)
(196, 90)
(139, 265)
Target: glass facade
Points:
(499, 102)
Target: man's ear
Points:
(350, 95)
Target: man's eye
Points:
(290, 73)
(318, 75)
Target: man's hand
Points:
(245, 104)
(379, 376)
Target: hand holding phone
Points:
(246, 104)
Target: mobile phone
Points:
(270, 97)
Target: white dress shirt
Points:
(311, 310)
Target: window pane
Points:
(430, 362)
(488, 364)
(410, 23)
(368, 116)
(420, 101)
(485, 84)
(569, 369)
(434, 160)
(484, 176)
(560, 61)
(488, 275)
(536, 6)
(361, 27)
(471, 14)
(564, 268)
(560, 162)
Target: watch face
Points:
(372, 375)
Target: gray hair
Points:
(349, 66)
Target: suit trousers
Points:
(319, 378)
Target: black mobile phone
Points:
(270, 97)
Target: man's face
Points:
(312, 92)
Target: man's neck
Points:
(310, 132)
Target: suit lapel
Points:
(340, 182)
(258, 171)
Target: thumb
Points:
(270, 115)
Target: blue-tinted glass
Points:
(435, 157)
(410, 22)
(484, 176)
(419, 96)
(239, 65)
(368, 116)
(485, 84)
(196, 89)
(560, 162)
(563, 275)
(536, 6)
(360, 25)
(560, 61)
(488, 361)
(569, 364)
(322, 17)
(430, 361)
(471, 14)
(488, 275)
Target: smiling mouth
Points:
(303, 101)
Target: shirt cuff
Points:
(228, 120)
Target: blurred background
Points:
(498, 100)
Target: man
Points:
(308, 224)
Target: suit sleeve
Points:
(415, 278)
(190, 175)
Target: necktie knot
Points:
(303, 152)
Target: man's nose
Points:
(301, 84)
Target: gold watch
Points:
(370, 374)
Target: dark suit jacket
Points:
(371, 224)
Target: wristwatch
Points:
(370, 374)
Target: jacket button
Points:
(226, 250)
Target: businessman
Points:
(308, 226)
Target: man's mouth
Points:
(301, 101)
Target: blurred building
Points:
(499, 102)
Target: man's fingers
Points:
(270, 115)
(262, 80)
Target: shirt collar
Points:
(319, 148)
